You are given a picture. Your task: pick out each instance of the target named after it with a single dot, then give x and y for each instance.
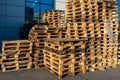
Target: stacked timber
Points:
(37, 35)
(108, 19)
(82, 18)
(97, 22)
(75, 20)
(93, 53)
(63, 56)
(16, 55)
(54, 17)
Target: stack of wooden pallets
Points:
(63, 56)
(42, 31)
(88, 41)
(37, 35)
(16, 55)
(97, 22)
(93, 57)
(75, 20)
(83, 17)
(54, 17)
(108, 19)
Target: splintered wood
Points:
(16, 55)
(97, 22)
(64, 56)
(37, 35)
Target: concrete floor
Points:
(111, 74)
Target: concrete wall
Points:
(60, 4)
(12, 13)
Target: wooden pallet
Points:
(66, 47)
(12, 68)
(13, 46)
(15, 68)
(15, 65)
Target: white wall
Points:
(11, 18)
(60, 4)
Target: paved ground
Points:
(111, 74)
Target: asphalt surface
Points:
(43, 74)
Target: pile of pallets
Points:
(37, 35)
(75, 18)
(87, 42)
(16, 55)
(83, 17)
(63, 56)
(108, 19)
(97, 22)
(54, 17)
(93, 57)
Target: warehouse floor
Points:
(111, 74)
